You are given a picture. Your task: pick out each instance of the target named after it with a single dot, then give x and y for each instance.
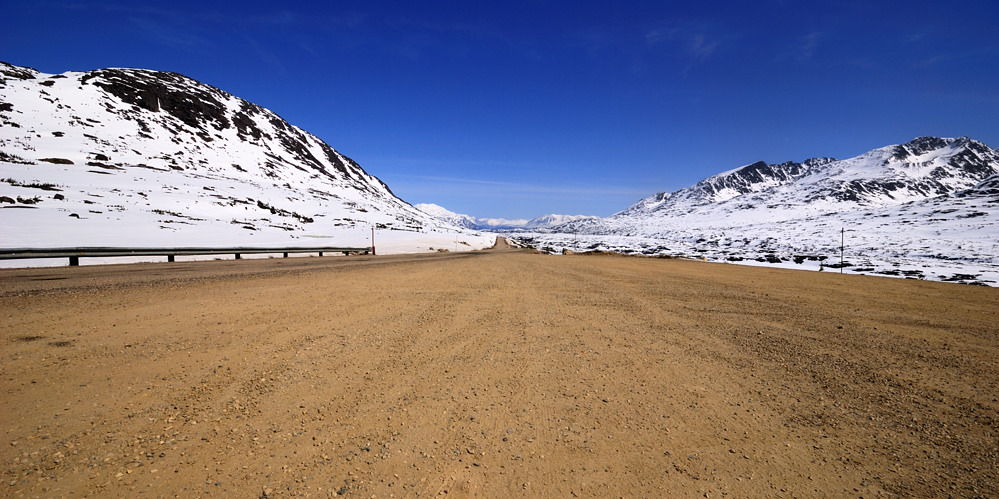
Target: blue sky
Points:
(520, 108)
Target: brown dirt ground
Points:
(501, 373)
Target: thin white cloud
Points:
(692, 39)
(808, 44)
(266, 55)
(802, 48)
(171, 36)
(700, 47)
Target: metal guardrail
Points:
(74, 254)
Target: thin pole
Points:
(842, 243)
(372, 241)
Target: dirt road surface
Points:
(495, 374)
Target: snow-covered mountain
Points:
(445, 215)
(549, 221)
(915, 205)
(497, 224)
(921, 169)
(119, 157)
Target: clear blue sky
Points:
(519, 108)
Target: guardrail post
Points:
(74, 261)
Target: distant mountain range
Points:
(924, 168)
(498, 224)
(927, 208)
(141, 157)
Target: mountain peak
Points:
(17, 72)
(922, 145)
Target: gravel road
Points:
(498, 373)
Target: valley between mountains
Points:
(141, 158)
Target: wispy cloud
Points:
(692, 39)
(956, 57)
(801, 48)
(700, 47)
(168, 35)
(266, 55)
(807, 44)
(281, 18)
(163, 26)
(414, 37)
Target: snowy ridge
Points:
(922, 168)
(548, 221)
(928, 208)
(756, 177)
(443, 214)
(145, 158)
(498, 224)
